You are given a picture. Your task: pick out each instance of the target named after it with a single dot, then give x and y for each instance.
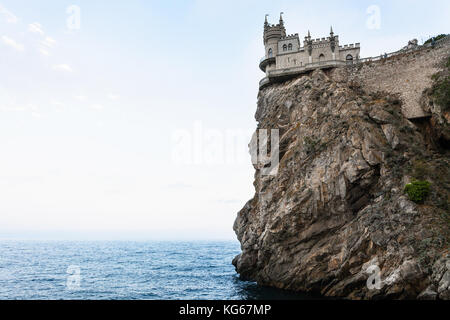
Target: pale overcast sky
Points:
(89, 116)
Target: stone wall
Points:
(300, 58)
(407, 75)
(293, 40)
(291, 60)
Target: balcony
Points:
(264, 62)
(282, 74)
(263, 82)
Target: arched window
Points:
(349, 59)
(322, 57)
(270, 53)
(290, 47)
(284, 47)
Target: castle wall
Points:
(407, 74)
(295, 59)
(293, 40)
(346, 50)
(322, 50)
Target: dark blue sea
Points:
(125, 270)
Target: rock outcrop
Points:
(336, 211)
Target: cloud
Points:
(112, 96)
(81, 97)
(48, 42)
(8, 15)
(179, 186)
(45, 44)
(35, 28)
(44, 52)
(97, 107)
(63, 68)
(12, 43)
(12, 108)
(15, 107)
(59, 106)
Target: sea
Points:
(125, 270)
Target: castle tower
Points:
(273, 33)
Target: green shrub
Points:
(418, 190)
(436, 38)
(441, 92)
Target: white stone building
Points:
(285, 56)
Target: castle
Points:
(286, 57)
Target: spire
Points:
(281, 18)
(332, 41)
(265, 21)
(309, 34)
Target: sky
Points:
(130, 120)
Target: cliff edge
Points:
(336, 219)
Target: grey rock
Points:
(337, 203)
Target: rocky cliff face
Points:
(336, 210)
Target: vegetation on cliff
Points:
(441, 87)
(435, 38)
(418, 190)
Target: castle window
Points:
(270, 53)
(322, 57)
(349, 59)
(290, 47)
(284, 47)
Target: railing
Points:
(403, 51)
(264, 81)
(306, 67)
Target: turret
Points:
(308, 46)
(273, 33)
(332, 43)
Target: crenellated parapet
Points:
(350, 46)
(290, 36)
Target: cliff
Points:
(337, 208)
